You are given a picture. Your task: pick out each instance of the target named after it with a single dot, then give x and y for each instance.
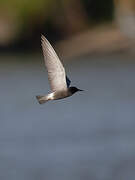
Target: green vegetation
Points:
(26, 19)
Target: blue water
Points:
(90, 135)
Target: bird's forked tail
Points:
(42, 99)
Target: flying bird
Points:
(59, 82)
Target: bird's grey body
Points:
(59, 82)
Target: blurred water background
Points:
(89, 135)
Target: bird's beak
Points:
(80, 90)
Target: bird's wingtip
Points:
(43, 37)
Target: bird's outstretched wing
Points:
(55, 69)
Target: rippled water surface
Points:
(90, 135)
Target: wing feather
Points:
(68, 81)
(55, 69)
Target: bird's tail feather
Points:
(42, 99)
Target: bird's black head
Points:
(74, 89)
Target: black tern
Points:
(59, 82)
